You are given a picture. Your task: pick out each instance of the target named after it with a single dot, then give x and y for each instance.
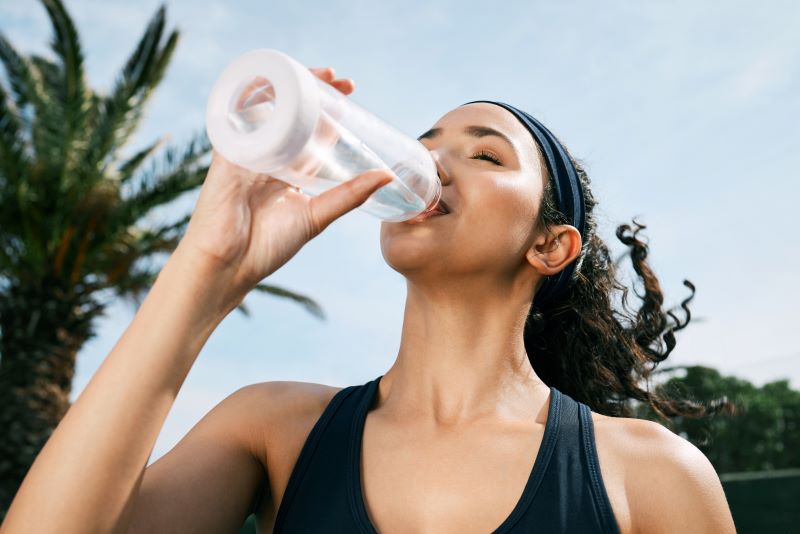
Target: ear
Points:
(553, 251)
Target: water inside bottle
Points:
(335, 155)
(349, 156)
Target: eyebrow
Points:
(474, 131)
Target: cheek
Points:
(497, 222)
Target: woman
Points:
(482, 424)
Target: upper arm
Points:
(674, 487)
(208, 481)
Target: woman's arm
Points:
(86, 476)
(208, 482)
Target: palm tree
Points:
(72, 220)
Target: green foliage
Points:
(73, 207)
(761, 432)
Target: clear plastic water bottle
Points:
(269, 113)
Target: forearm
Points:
(87, 474)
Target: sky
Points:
(684, 114)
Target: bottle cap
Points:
(262, 110)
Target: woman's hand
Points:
(247, 225)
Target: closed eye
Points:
(486, 156)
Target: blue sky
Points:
(684, 114)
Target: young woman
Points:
(501, 413)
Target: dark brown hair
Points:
(600, 354)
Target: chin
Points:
(406, 254)
(412, 247)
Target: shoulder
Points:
(287, 394)
(279, 416)
(670, 485)
(278, 406)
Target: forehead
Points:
(483, 114)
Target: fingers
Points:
(345, 85)
(335, 202)
(328, 75)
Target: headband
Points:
(568, 192)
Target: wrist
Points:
(209, 280)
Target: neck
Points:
(462, 356)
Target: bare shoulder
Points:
(289, 394)
(283, 412)
(281, 406)
(669, 484)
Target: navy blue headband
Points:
(568, 191)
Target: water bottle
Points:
(270, 114)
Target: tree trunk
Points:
(42, 328)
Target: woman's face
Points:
(493, 206)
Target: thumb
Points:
(347, 196)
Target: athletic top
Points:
(564, 492)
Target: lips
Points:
(439, 209)
(442, 206)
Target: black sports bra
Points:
(564, 492)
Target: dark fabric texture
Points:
(564, 492)
(568, 192)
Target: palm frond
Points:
(119, 113)
(51, 77)
(244, 309)
(75, 100)
(109, 238)
(23, 87)
(175, 228)
(154, 77)
(13, 161)
(117, 258)
(67, 47)
(176, 173)
(163, 238)
(128, 168)
(309, 304)
(48, 125)
(140, 281)
(37, 109)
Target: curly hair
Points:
(585, 347)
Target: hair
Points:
(585, 347)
